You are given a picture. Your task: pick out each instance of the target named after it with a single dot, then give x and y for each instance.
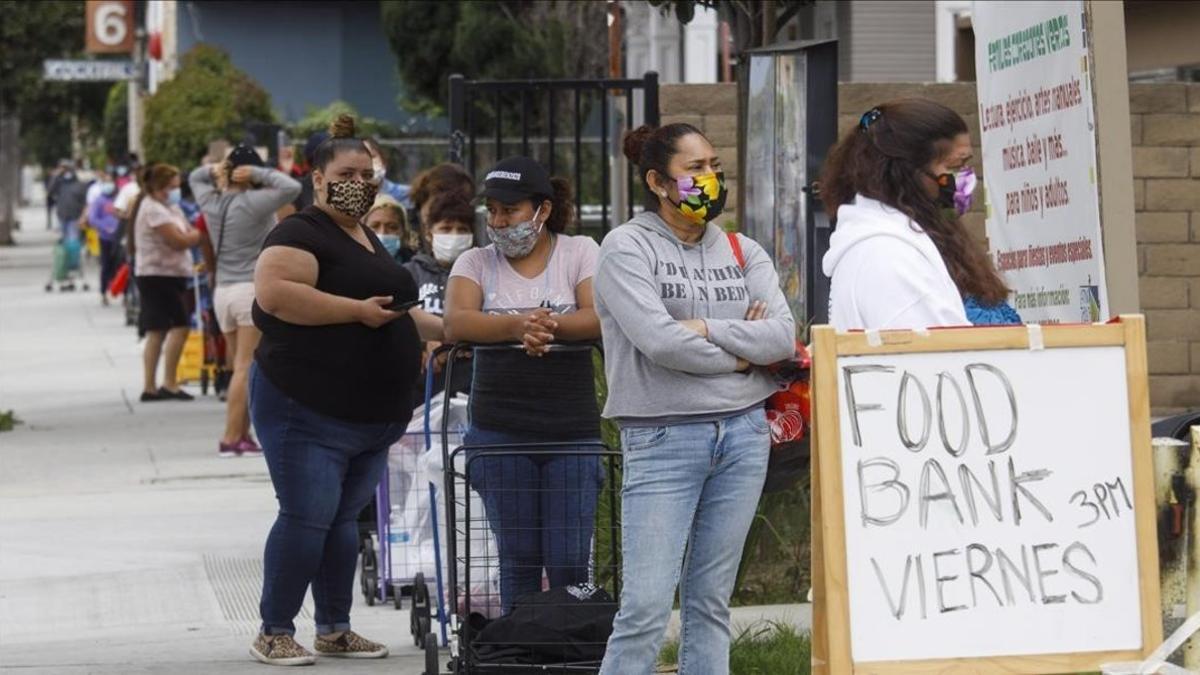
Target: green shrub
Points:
(8, 420)
(207, 99)
(318, 119)
(116, 122)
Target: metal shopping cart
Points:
(401, 553)
(591, 482)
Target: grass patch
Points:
(769, 648)
(775, 566)
(8, 420)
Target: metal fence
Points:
(573, 127)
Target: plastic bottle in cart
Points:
(398, 530)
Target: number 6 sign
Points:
(109, 26)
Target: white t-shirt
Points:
(125, 196)
(506, 292)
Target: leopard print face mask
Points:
(351, 197)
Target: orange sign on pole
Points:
(110, 27)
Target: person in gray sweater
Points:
(689, 317)
(238, 198)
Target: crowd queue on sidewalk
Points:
(332, 286)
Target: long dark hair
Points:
(884, 157)
(652, 148)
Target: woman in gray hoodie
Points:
(687, 325)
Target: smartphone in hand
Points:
(400, 306)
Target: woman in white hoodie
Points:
(900, 256)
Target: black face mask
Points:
(946, 183)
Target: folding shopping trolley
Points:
(531, 638)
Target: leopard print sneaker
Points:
(281, 650)
(350, 645)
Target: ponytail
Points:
(150, 178)
(562, 212)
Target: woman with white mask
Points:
(448, 232)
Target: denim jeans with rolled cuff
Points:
(324, 470)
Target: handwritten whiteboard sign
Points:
(992, 502)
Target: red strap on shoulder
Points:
(737, 249)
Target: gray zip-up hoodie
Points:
(647, 281)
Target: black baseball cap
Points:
(243, 155)
(516, 179)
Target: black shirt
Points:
(431, 278)
(348, 371)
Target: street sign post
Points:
(64, 70)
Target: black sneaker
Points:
(179, 395)
(151, 396)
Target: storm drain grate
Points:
(237, 583)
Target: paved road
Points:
(126, 544)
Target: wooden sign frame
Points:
(831, 601)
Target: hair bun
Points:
(342, 126)
(635, 140)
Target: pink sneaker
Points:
(227, 450)
(247, 446)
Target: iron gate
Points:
(490, 120)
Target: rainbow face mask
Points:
(701, 198)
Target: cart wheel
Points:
(371, 586)
(431, 655)
(369, 573)
(397, 597)
(420, 595)
(414, 628)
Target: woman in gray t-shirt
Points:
(239, 215)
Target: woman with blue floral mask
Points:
(896, 187)
(531, 286)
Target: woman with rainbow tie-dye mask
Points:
(689, 315)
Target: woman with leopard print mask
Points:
(331, 388)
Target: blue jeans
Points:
(324, 471)
(541, 507)
(693, 488)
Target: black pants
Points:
(110, 261)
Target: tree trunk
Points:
(10, 175)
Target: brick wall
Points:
(1165, 125)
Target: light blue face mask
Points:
(175, 195)
(391, 242)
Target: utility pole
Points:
(136, 85)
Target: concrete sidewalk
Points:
(126, 544)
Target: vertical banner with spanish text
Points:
(1037, 119)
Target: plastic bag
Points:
(1157, 663)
